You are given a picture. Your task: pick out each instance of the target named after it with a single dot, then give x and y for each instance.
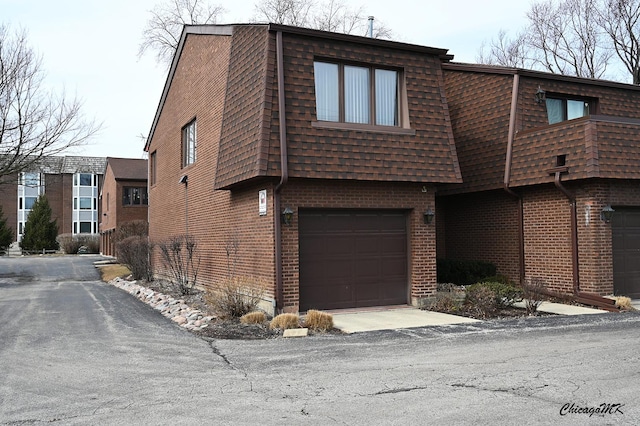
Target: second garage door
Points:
(626, 252)
(352, 258)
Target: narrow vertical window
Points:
(189, 144)
(386, 97)
(327, 91)
(356, 95)
(152, 166)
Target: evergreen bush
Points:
(40, 231)
(6, 233)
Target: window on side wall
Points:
(189, 144)
(152, 167)
(134, 196)
(357, 94)
(562, 109)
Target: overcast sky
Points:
(89, 50)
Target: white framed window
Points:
(357, 94)
(189, 144)
(85, 203)
(30, 187)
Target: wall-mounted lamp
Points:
(287, 216)
(184, 179)
(606, 214)
(540, 95)
(428, 216)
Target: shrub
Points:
(71, 244)
(318, 321)
(444, 302)
(134, 252)
(506, 294)
(68, 244)
(463, 272)
(6, 233)
(179, 255)
(235, 297)
(133, 228)
(255, 317)
(285, 321)
(480, 301)
(40, 231)
(532, 289)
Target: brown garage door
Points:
(352, 258)
(626, 252)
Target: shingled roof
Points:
(128, 168)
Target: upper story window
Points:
(134, 196)
(30, 179)
(562, 109)
(189, 144)
(152, 168)
(356, 94)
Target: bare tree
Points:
(286, 12)
(507, 52)
(567, 39)
(33, 122)
(620, 19)
(330, 15)
(585, 38)
(163, 29)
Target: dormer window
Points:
(357, 94)
(563, 109)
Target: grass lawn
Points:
(109, 272)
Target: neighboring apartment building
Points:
(544, 159)
(123, 198)
(306, 160)
(71, 186)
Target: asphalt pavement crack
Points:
(220, 354)
(400, 390)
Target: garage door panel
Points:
(362, 260)
(626, 252)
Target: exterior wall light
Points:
(606, 214)
(540, 95)
(428, 216)
(287, 216)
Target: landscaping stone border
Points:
(175, 309)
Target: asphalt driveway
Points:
(75, 351)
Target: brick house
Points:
(71, 185)
(305, 160)
(543, 157)
(123, 197)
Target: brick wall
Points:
(548, 233)
(9, 202)
(215, 218)
(547, 238)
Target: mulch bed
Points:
(218, 328)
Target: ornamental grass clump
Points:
(285, 321)
(624, 303)
(255, 317)
(318, 320)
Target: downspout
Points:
(507, 171)
(284, 171)
(574, 231)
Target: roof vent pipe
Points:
(371, 18)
